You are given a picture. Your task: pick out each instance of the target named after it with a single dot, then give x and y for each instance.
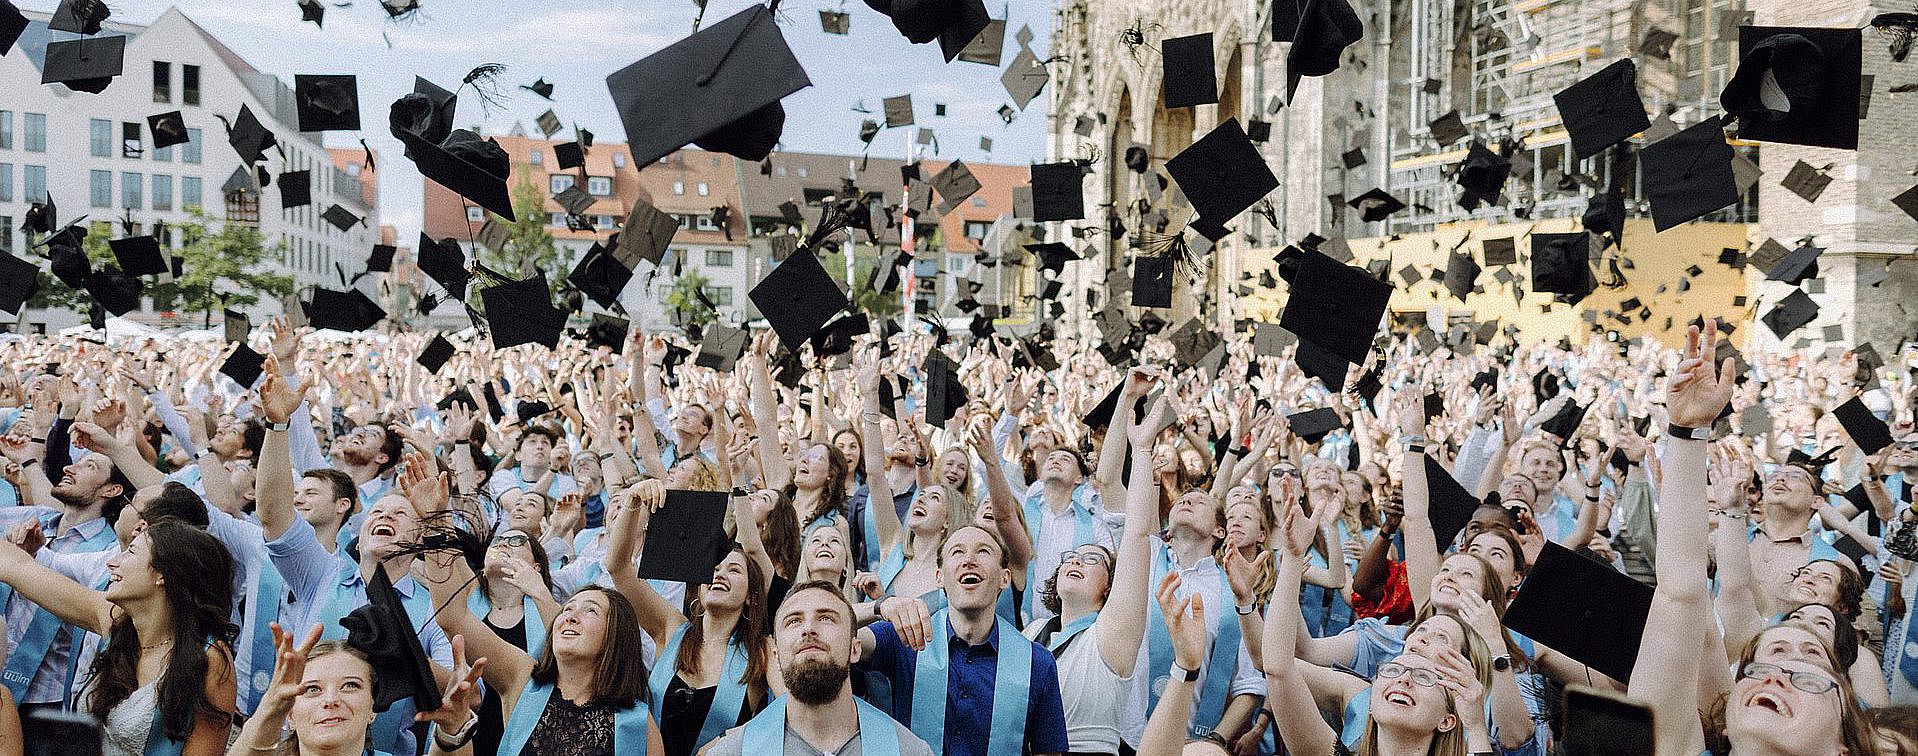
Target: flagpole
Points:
(907, 240)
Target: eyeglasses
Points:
(515, 541)
(1088, 558)
(1285, 472)
(1806, 681)
(1423, 678)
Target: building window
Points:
(243, 207)
(6, 129)
(555, 219)
(781, 170)
(190, 86)
(976, 230)
(978, 202)
(162, 81)
(35, 187)
(132, 190)
(803, 171)
(722, 295)
(619, 160)
(6, 234)
(679, 187)
(36, 132)
(533, 158)
(704, 190)
(475, 215)
(599, 186)
(719, 258)
(130, 144)
(100, 188)
(561, 182)
(190, 152)
(6, 182)
(190, 193)
(162, 192)
(100, 138)
(163, 154)
(704, 223)
(603, 221)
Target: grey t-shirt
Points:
(733, 743)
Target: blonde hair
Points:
(1450, 742)
(290, 745)
(844, 584)
(959, 513)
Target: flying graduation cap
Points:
(719, 89)
(458, 159)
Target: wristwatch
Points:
(458, 738)
(1696, 434)
(1501, 662)
(279, 427)
(1191, 675)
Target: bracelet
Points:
(1240, 451)
(461, 737)
(1418, 448)
(1591, 498)
(1696, 434)
(1244, 610)
(279, 427)
(42, 440)
(463, 442)
(1412, 440)
(921, 461)
(30, 461)
(1191, 675)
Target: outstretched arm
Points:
(624, 534)
(72, 602)
(1122, 622)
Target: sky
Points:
(575, 44)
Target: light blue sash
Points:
(1011, 688)
(629, 724)
(24, 659)
(1070, 631)
(1358, 711)
(1035, 523)
(268, 588)
(389, 725)
(1219, 667)
(535, 625)
(1007, 608)
(766, 734)
(892, 565)
(158, 744)
(728, 700)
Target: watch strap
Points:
(1696, 434)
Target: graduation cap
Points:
(720, 346)
(349, 310)
(955, 23)
(1152, 281)
(1817, 73)
(1791, 313)
(1865, 429)
(522, 312)
(1603, 109)
(1312, 425)
(898, 111)
(719, 89)
(1565, 421)
(646, 235)
(1025, 76)
(382, 631)
(139, 256)
(540, 87)
(1057, 192)
(1582, 608)
(569, 155)
(1561, 263)
(114, 291)
(955, 183)
(688, 539)
(436, 353)
(1335, 307)
(1449, 504)
(79, 16)
(1258, 131)
(607, 331)
(1502, 251)
(445, 263)
(13, 23)
(1222, 174)
(1271, 339)
(327, 103)
(837, 337)
(798, 297)
(19, 281)
(547, 123)
(1448, 128)
(1461, 274)
(1319, 32)
(1800, 264)
(1190, 76)
(1483, 176)
(312, 11)
(296, 189)
(600, 276)
(462, 161)
(835, 22)
(944, 393)
(87, 64)
(1376, 205)
(1194, 342)
(341, 218)
(1806, 181)
(574, 200)
(168, 129)
(1689, 174)
(244, 365)
(249, 137)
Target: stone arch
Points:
(1118, 179)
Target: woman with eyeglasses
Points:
(1788, 705)
(514, 598)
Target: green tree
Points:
(528, 248)
(683, 303)
(223, 267)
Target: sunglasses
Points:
(1087, 558)
(1815, 684)
(1423, 678)
(514, 541)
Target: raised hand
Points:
(423, 484)
(284, 340)
(279, 398)
(1696, 392)
(290, 671)
(463, 693)
(1184, 621)
(1242, 573)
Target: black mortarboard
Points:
(1190, 76)
(327, 102)
(955, 23)
(168, 129)
(79, 16)
(720, 346)
(1582, 608)
(1194, 341)
(600, 277)
(1319, 32)
(1866, 430)
(436, 353)
(249, 137)
(86, 65)
(1376, 205)
(139, 256)
(383, 632)
(954, 183)
(540, 87)
(1817, 73)
(797, 297)
(1561, 263)
(1501, 251)
(1791, 313)
(898, 111)
(608, 331)
(1057, 192)
(1908, 202)
(68, 256)
(1482, 176)
(12, 24)
(244, 365)
(1271, 339)
(1806, 181)
(116, 292)
(1603, 109)
(1801, 264)
(349, 310)
(837, 337)
(646, 235)
(835, 22)
(1768, 254)
(944, 393)
(1312, 425)
(1257, 130)
(1448, 128)
(1689, 174)
(1449, 504)
(380, 260)
(1151, 281)
(462, 161)
(719, 89)
(687, 538)
(1222, 174)
(522, 312)
(1565, 421)
(445, 263)
(296, 189)
(314, 12)
(19, 281)
(340, 217)
(1052, 256)
(1025, 76)
(1461, 274)
(569, 155)
(1336, 307)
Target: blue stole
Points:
(629, 724)
(728, 699)
(389, 724)
(158, 744)
(1358, 711)
(1326, 610)
(1069, 632)
(1908, 653)
(535, 625)
(766, 734)
(1219, 667)
(895, 561)
(1035, 522)
(265, 610)
(23, 660)
(585, 539)
(1011, 688)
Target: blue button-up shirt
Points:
(973, 672)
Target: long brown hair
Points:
(1856, 729)
(781, 537)
(1490, 589)
(619, 675)
(832, 497)
(747, 630)
(197, 581)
